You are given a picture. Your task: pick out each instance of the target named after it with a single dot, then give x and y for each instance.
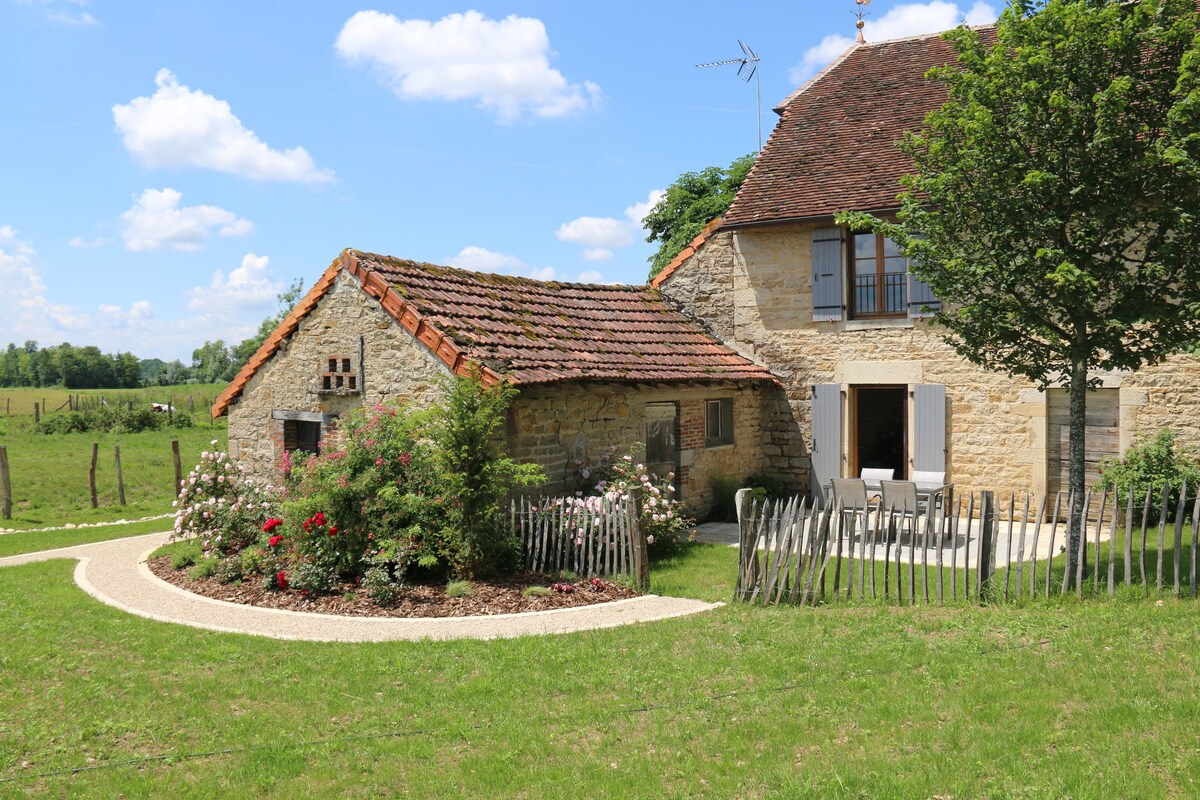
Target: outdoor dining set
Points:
(927, 493)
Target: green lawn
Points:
(49, 472)
(1059, 699)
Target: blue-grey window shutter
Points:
(827, 274)
(929, 453)
(921, 300)
(826, 453)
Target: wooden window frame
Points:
(881, 274)
(724, 422)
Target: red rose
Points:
(281, 580)
(275, 540)
(271, 524)
(333, 530)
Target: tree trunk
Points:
(1076, 450)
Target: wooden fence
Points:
(592, 537)
(978, 550)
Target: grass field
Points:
(49, 472)
(1047, 700)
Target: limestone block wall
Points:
(996, 425)
(394, 365)
(554, 424)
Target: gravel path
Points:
(115, 572)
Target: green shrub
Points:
(724, 501)
(766, 487)
(1155, 464)
(536, 591)
(311, 577)
(186, 555)
(459, 588)
(205, 568)
(381, 586)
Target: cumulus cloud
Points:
(906, 19)
(25, 312)
(481, 259)
(249, 284)
(502, 65)
(591, 276)
(66, 12)
(601, 235)
(177, 127)
(156, 222)
(138, 314)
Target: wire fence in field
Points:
(592, 537)
(979, 549)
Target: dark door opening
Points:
(662, 440)
(880, 429)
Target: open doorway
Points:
(879, 428)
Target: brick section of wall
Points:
(996, 424)
(395, 366)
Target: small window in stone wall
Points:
(301, 435)
(718, 422)
(340, 375)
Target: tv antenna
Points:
(747, 69)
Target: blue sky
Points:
(168, 168)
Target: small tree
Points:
(477, 473)
(691, 202)
(1055, 200)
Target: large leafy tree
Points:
(691, 202)
(1055, 203)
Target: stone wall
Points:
(555, 424)
(996, 425)
(394, 366)
(549, 424)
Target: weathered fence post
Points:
(743, 501)
(987, 536)
(5, 485)
(179, 471)
(37, 413)
(120, 477)
(92, 473)
(637, 541)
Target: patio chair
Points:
(874, 476)
(901, 503)
(930, 478)
(850, 494)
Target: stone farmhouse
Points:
(597, 367)
(836, 316)
(775, 343)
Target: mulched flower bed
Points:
(497, 596)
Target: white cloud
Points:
(250, 284)
(178, 127)
(87, 244)
(156, 222)
(503, 65)
(25, 312)
(138, 314)
(67, 12)
(601, 235)
(591, 276)
(906, 19)
(480, 259)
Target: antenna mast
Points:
(747, 69)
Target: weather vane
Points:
(747, 69)
(862, 12)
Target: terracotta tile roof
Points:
(834, 147)
(523, 330)
(538, 332)
(686, 253)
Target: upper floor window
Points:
(864, 276)
(341, 375)
(880, 278)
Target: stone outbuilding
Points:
(835, 313)
(596, 366)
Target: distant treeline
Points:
(88, 368)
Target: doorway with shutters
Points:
(874, 415)
(879, 429)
